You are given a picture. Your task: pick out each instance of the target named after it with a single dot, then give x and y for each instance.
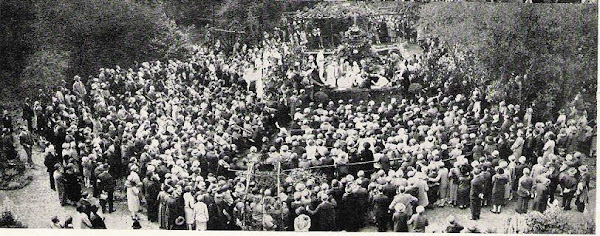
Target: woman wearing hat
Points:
(549, 146)
(201, 213)
(133, 185)
(400, 218)
(568, 184)
(499, 183)
(453, 176)
(418, 220)
(188, 203)
(162, 207)
(581, 195)
(71, 182)
(464, 188)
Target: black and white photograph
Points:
(298, 116)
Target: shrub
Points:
(7, 220)
(552, 221)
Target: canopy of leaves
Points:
(47, 41)
(45, 71)
(338, 10)
(254, 16)
(100, 33)
(540, 56)
(15, 26)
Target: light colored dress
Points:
(260, 86)
(331, 71)
(201, 215)
(133, 185)
(517, 147)
(548, 149)
(188, 201)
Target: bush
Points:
(554, 45)
(45, 71)
(7, 220)
(103, 33)
(552, 221)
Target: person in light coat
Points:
(200, 213)
(133, 185)
(302, 221)
(188, 201)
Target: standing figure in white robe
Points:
(331, 70)
(356, 74)
(346, 81)
(321, 64)
(260, 85)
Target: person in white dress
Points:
(260, 85)
(321, 64)
(200, 214)
(189, 202)
(331, 70)
(133, 185)
(356, 74)
(346, 81)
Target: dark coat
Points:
(477, 186)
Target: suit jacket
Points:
(477, 186)
(107, 182)
(525, 186)
(380, 205)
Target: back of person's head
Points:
(80, 208)
(94, 208)
(55, 219)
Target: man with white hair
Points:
(524, 191)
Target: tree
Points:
(103, 33)
(45, 71)
(15, 38)
(522, 53)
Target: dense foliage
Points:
(552, 221)
(15, 24)
(47, 41)
(509, 49)
(7, 220)
(102, 33)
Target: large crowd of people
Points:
(180, 139)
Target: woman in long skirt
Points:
(72, 187)
(59, 181)
(453, 187)
(499, 182)
(162, 207)
(464, 188)
(133, 185)
(189, 201)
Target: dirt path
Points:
(35, 204)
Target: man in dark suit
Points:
(568, 184)
(524, 191)
(107, 184)
(324, 214)
(218, 214)
(366, 155)
(476, 194)
(50, 160)
(380, 208)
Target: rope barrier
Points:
(324, 166)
